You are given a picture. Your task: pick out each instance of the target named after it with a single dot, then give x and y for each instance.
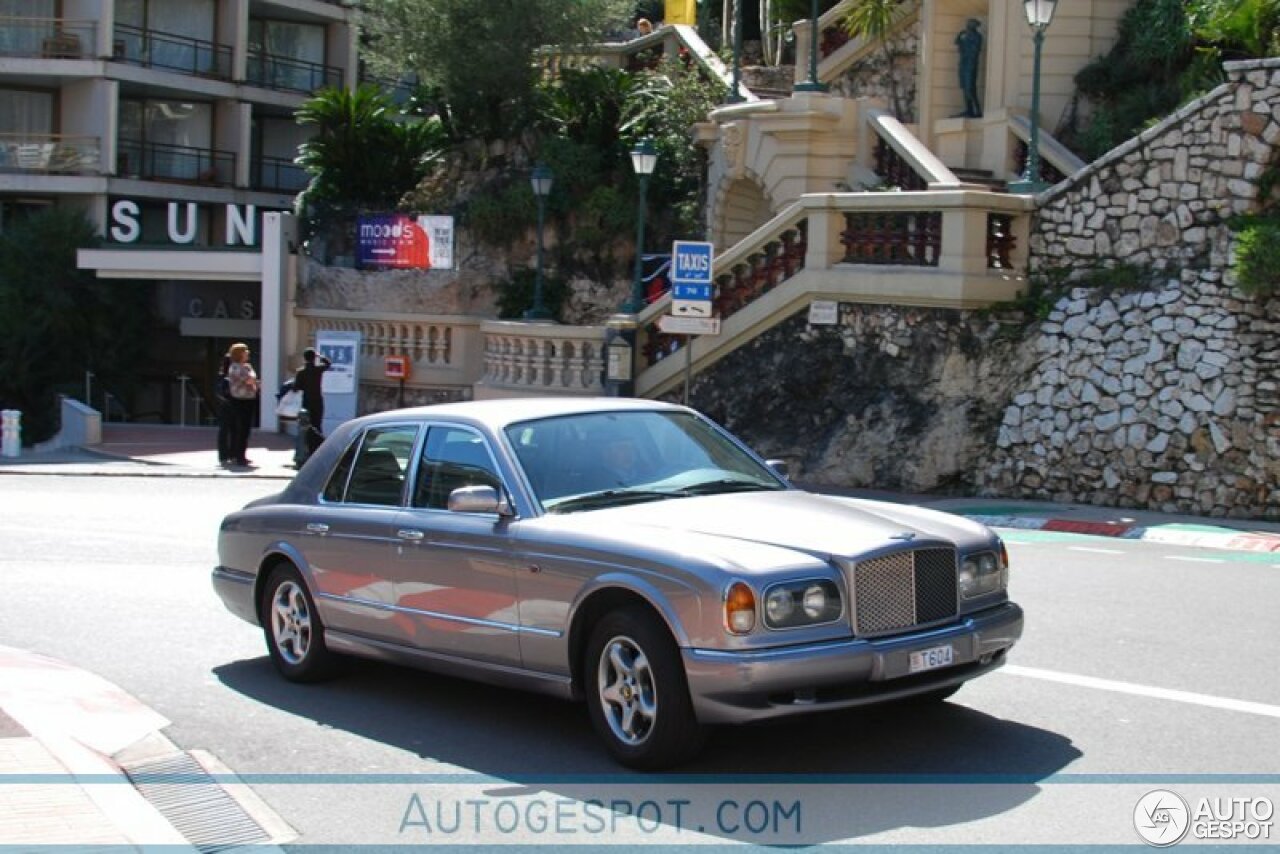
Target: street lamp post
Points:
(1039, 16)
(735, 94)
(812, 84)
(644, 157)
(541, 181)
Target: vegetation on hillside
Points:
(1167, 52)
(477, 58)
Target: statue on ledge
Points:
(969, 42)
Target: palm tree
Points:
(365, 154)
(875, 20)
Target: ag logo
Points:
(1161, 818)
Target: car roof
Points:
(497, 414)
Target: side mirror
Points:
(479, 499)
(780, 468)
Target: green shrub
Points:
(515, 296)
(1257, 263)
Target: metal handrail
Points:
(159, 160)
(156, 49)
(50, 152)
(294, 75)
(278, 174)
(48, 38)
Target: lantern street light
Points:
(644, 157)
(1039, 16)
(812, 84)
(541, 182)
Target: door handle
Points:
(411, 534)
(317, 528)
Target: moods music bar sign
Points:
(404, 241)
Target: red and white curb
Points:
(1249, 541)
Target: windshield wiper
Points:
(607, 497)
(725, 484)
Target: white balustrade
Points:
(541, 359)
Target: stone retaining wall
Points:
(1165, 398)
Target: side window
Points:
(451, 459)
(337, 484)
(379, 473)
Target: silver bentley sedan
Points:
(626, 552)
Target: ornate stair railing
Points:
(961, 248)
(678, 42)
(837, 50)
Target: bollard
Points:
(300, 453)
(11, 430)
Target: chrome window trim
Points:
(439, 615)
(363, 437)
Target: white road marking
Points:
(1195, 559)
(1095, 551)
(1144, 690)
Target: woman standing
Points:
(244, 387)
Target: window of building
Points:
(167, 34)
(287, 55)
(28, 24)
(168, 140)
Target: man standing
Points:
(307, 380)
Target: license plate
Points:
(932, 658)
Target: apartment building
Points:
(170, 124)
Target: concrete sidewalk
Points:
(77, 760)
(150, 450)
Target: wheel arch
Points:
(277, 556)
(601, 601)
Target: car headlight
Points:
(983, 573)
(801, 603)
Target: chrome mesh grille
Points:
(905, 589)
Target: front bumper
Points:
(738, 687)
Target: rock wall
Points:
(1165, 398)
(1164, 395)
(867, 78)
(905, 399)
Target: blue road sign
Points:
(684, 290)
(691, 263)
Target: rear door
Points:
(351, 539)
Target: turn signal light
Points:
(739, 608)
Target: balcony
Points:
(47, 38)
(171, 52)
(158, 161)
(291, 75)
(278, 175)
(50, 153)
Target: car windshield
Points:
(603, 459)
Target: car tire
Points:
(637, 694)
(294, 633)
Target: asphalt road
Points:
(1144, 666)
